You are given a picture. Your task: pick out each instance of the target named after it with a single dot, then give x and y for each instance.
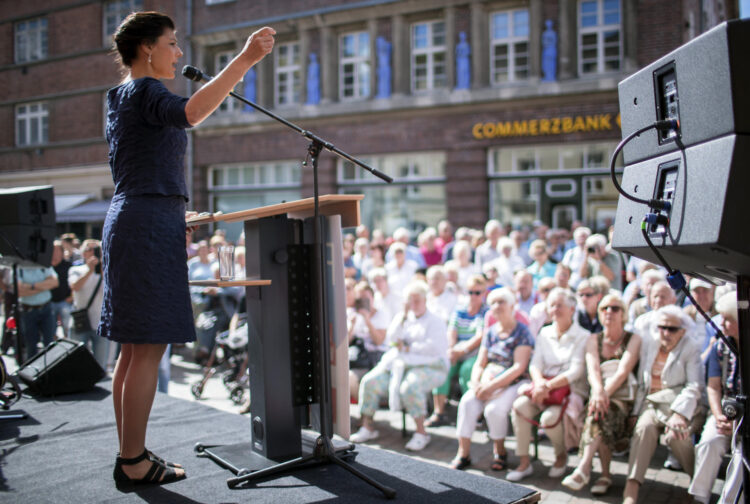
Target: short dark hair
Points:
(138, 28)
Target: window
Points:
(31, 40)
(415, 200)
(509, 32)
(32, 124)
(221, 60)
(354, 65)
(547, 158)
(287, 84)
(599, 36)
(242, 186)
(214, 2)
(115, 12)
(428, 56)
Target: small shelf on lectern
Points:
(237, 282)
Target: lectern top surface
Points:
(347, 205)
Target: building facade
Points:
(478, 109)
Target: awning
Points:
(65, 201)
(93, 211)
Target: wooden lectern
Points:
(285, 386)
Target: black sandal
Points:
(499, 462)
(156, 475)
(159, 460)
(460, 463)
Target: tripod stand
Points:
(323, 451)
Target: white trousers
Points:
(708, 454)
(496, 412)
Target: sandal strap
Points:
(154, 473)
(134, 460)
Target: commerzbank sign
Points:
(546, 126)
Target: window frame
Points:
(120, 13)
(359, 81)
(41, 114)
(36, 40)
(511, 41)
(230, 104)
(599, 30)
(430, 53)
(292, 71)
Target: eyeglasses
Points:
(476, 293)
(587, 294)
(613, 308)
(669, 328)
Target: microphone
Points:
(194, 74)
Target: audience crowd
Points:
(545, 328)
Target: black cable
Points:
(669, 124)
(729, 343)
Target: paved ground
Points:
(663, 486)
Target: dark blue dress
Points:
(144, 258)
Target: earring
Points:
(149, 59)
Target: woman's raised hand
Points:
(259, 44)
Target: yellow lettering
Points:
(504, 129)
(567, 124)
(489, 130)
(579, 125)
(604, 121)
(477, 131)
(617, 120)
(520, 128)
(592, 123)
(555, 125)
(534, 127)
(544, 127)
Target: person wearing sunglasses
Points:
(611, 356)
(670, 387)
(589, 295)
(465, 330)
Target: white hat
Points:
(697, 282)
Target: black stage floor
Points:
(65, 451)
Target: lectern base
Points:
(240, 458)
(248, 466)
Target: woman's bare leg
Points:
(138, 390)
(118, 379)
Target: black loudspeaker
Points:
(703, 173)
(63, 367)
(27, 224)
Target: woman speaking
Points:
(146, 299)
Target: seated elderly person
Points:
(499, 370)
(723, 382)
(611, 356)
(366, 325)
(670, 384)
(557, 364)
(416, 363)
(465, 329)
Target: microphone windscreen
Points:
(192, 73)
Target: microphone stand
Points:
(324, 451)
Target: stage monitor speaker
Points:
(703, 174)
(32, 243)
(704, 84)
(63, 367)
(33, 206)
(27, 225)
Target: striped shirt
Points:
(465, 324)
